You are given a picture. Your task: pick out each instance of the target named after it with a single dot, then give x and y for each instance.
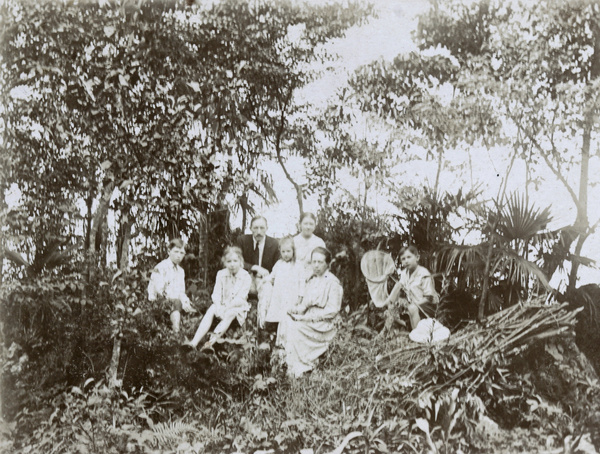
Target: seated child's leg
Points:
(204, 326)
(175, 320)
(175, 314)
(223, 326)
(413, 313)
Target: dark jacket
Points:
(270, 252)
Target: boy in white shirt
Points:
(168, 281)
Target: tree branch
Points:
(277, 144)
(554, 170)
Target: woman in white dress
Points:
(306, 241)
(311, 326)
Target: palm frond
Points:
(17, 258)
(520, 220)
(587, 297)
(517, 269)
(468, 262)
(546, 237)
(585, 261)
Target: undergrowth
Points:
(239, 399)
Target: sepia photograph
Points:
(299, 226)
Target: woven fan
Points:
(377, 267)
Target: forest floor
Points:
(544, 398)
(371, 393)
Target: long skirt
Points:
(305, 342)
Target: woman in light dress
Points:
(306, 241)
(311, 326)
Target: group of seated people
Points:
(296, 295)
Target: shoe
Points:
(188, 345)
(207, 346)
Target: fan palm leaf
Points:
(519, 220)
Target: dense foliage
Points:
(126, 124)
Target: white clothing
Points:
(230, 295)
(304, 248)
(287, 285)
(418, 285)
(309, 336)
(168, 280)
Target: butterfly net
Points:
(376, 267)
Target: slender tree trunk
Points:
(102, 244)
(88, 220)
(297, 187)
(3, 208)
(95, 246)
(206, 245)
(582, 222)
(125, 241)
(113, 369)
(100, 216)
(440, 163)
(486, 280)
(277, 143)
(244, 205)
(125, 229)
(575, 264)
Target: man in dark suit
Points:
(260, 251)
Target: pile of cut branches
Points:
(477, 351)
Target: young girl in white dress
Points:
(229, 297)
(286, 283)
(306, 241)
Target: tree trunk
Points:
(277, 143)
(244, 205)
(95, 246)
(100, 216)
(88, 220)
(440, 160)
(115, 359)
(113, 369)
(102, 244)
(486, 280)
(297, 187)
(582, 222)
(124, 243)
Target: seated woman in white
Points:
(311, 326)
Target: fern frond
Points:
(165, 433)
